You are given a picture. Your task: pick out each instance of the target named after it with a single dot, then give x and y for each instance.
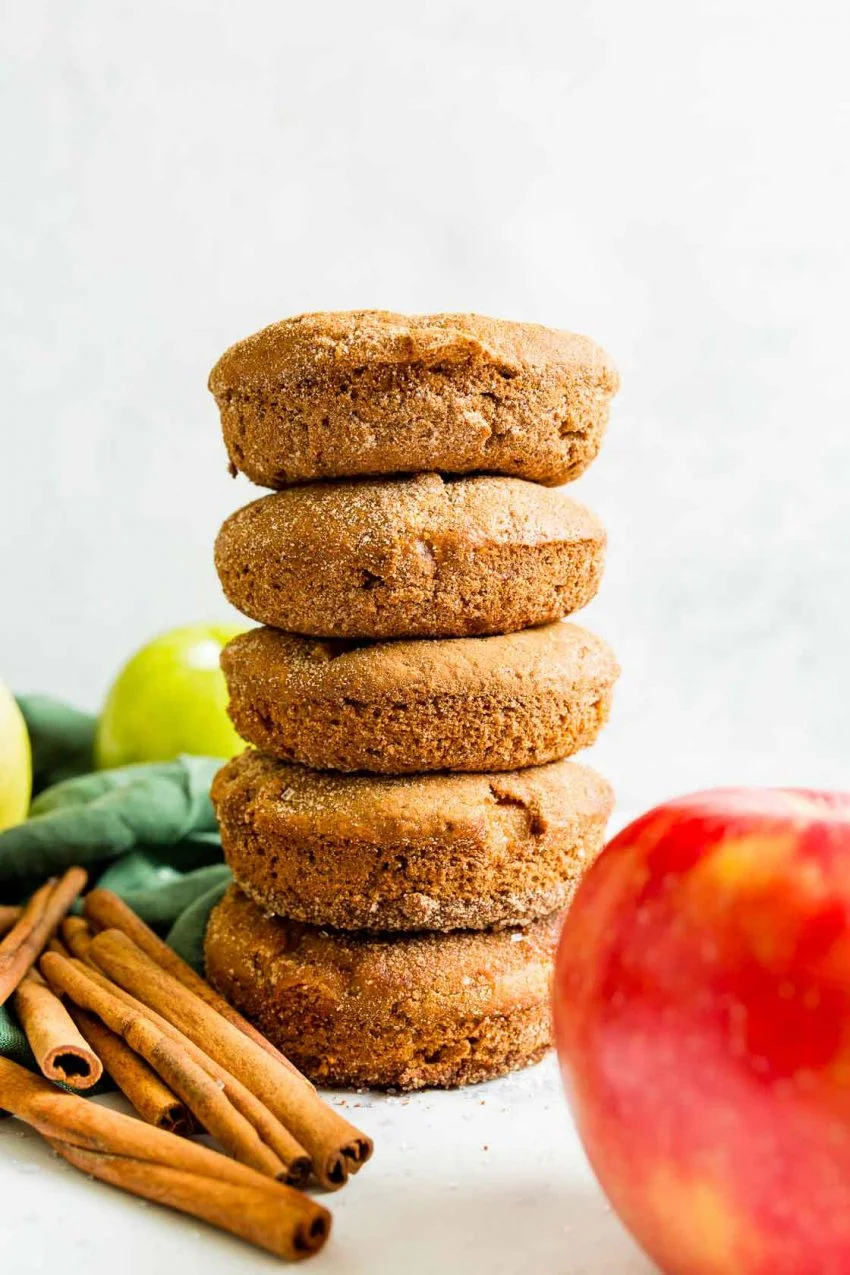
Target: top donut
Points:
(369, 392)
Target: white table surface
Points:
(489, 1179)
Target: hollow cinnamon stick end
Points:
(69, 1065)
(357, 1152)
(311, 1234)
(297, 1172)
(175, 1119)
(332, 1170)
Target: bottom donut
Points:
(403, 1011)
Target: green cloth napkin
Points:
(92, 819)
(147, 832)
(61, 737)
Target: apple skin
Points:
(15, 762)
(169, 698)
(702, 1019)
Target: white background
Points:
(670, 178)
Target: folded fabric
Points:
(13, 1042)
(186, 936)
(61, 738)
(161, 906)
(94, 818)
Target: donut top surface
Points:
(328, 343)
(513, 663)
(428, 513)
(282, 796)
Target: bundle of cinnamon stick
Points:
(110, 995)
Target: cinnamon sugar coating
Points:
(333, 395)
(435, 852)
(412, 557)
(463, 704)
(403, 1011)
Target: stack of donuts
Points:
(405, 832)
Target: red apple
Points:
(702, 1015)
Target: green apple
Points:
(170, 698)
(15, 762)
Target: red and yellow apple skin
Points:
(702, 1018)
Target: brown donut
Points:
(406, 1011)
(370, 392)
(411, 557)
(465, 704)
(435, 852)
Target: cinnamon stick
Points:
(60, 1050)
(29, 916)
(336, 1148)
(290, 1152)
(76, 935)
(138, 1082)
(8, 917)
(252, 1212)
(108, 912)
(26, 940)
(270, 1129)
(200, 1092)
(172, 1171)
